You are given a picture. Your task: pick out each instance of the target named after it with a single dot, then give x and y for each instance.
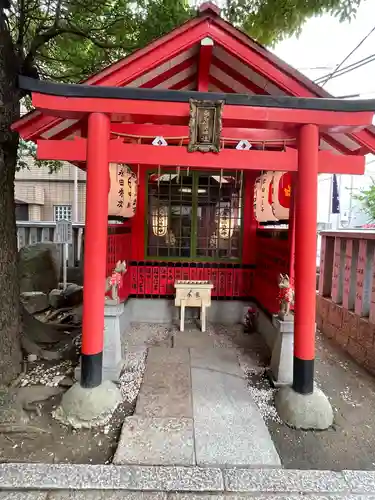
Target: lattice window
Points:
(62, 212)
(194, 215)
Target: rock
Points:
(32, 357)
(75, 275)
(39, 267)
(73, 295)
(66, 382)
(61, 350)
(12, 411)
(304, 411)
(77, 313)
(35, 301)
(87, 408)
(56, 299)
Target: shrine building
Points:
(202, 153)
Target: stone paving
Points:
(96, 482)
(183, 356)
(194, 409)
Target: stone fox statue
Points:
(286, 296)
(113, 282)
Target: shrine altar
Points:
(193, 293)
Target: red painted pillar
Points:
(249, 222)
(305, 259)
(292, 228)
(96, 229)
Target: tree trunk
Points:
(10, 323)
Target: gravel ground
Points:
(43, 439)
(350, 443)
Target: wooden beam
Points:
(205, 57)
(251, 86)
(221, 86)
(119, 152)
(174, 70)
(153, 55)
(183, 83)
(228, 134)
(138, 111)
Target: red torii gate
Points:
(107, 108)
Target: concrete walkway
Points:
(194, 409)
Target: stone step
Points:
(18, 479)
(165, 391)
(228, 428)
(156, 441)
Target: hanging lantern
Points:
(225, 223)
(122, 196)
(160, 221)
(226, 220)
(281, 195)
(257, 197)
(262, 197)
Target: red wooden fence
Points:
(231, 281)
(272, 258)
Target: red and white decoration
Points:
(281, 194)
(263, 198)
(272, 192)
(122, 196)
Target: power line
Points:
(347, 57)
(315, 68)
(346, 69)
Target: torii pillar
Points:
(91, 402)
(303, 405)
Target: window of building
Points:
(62, 212)
(194, 215)
(22, 211)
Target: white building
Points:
(351, 213)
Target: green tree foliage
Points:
(68, 40)
(269, 21)
(367, 199)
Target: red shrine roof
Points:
(209, 54)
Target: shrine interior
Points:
(196, 224)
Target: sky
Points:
(324, 43)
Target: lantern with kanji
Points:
(122, 196)
(262, 198)
(160, 220)
(225, 223)
(281, 194)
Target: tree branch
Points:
(55, 31)
(92, 39)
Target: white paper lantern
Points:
(262, 207)
(257, 197)
(122, 196)
(228, 217)
(281, 193)
(225, 223)
(160, 220)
